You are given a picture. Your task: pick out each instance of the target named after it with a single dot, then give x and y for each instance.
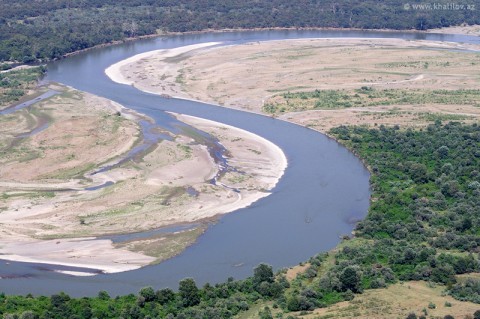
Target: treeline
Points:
(48, 29)
(189, 302)
(423, 224)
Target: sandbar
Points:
(252, 75)
(49, 215)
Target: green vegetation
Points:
(15, 83)
(219, 301)
(368, 96)
(164, 246)
(467, 291)
(44, 29)
(187, 150)
(423, 224)
(74, 172)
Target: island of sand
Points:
(69, 181)
(343, 81)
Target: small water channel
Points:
(152, 134)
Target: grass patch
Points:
(367, 97)
(186, 149)
(74, 172)
(433, 117)
(164, 246)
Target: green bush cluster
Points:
(423, 222)
(14, 83)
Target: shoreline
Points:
(174, 90)
(138, 58)
(114, 71)
(226, 30)
(281, 159)
(131, 263)
(183, 95)
(413, 43)
(66, 252)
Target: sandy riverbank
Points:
(128, 71)
(42, 222)
(253, 154)
(251, 75)
(90, 253)
(462, 29)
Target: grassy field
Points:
(397, 301)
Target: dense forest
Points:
(423, 224)
(48, 29)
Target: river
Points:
(324, 191)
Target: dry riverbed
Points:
(252, 76)
(50, 214)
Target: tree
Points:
(59, 300)
(28, 315)
(262, 273)
(350, 279)
(189, 293)
(443, 273)
(103, 295)
(148, 293)
(265, 313)
(443, 151)
(130, 28)
(165, 295)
